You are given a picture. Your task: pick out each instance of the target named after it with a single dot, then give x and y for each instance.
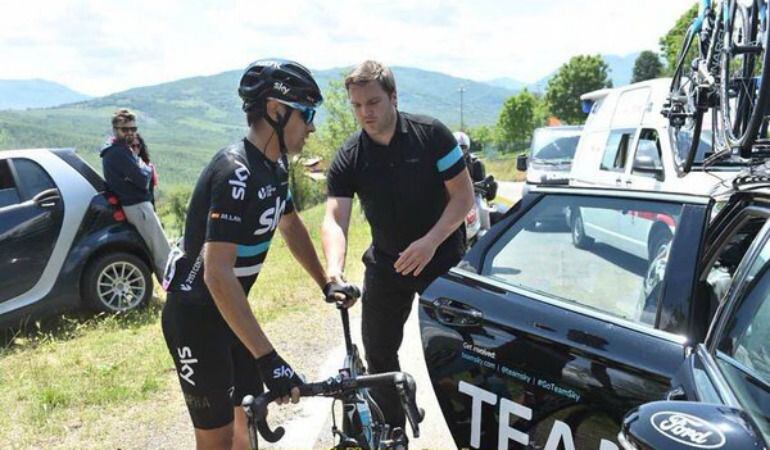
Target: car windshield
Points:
(554, 145)
(743, 351)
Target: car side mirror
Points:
(521, 163)
(673, 425)
(648, 164)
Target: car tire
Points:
(658, 239)
(116, 282)
(579, 238)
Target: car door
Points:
(532, 342)
(31, 214)
(732, 367)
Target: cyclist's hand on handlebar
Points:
(341, 292)
(279, 377)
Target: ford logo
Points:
(687, 429)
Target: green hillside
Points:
(186, 121)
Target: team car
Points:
(543, 339)
(64, 241)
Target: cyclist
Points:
(220, 351)
(475, 166)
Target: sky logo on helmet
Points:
(280, 87)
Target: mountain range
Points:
(23, 94)
(186, 121)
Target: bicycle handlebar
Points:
(256, 407)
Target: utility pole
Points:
(462, 124)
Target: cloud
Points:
(101, 47)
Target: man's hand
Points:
(337, 290)
(416, 256)
(279, 377)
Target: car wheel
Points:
(117, 282)
(656, 243)
(579, 238)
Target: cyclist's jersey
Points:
(240, 198)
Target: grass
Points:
(74, 372)
(503, 168)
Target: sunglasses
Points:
(307, 112)
(127, 129)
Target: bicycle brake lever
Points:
(256, 413)
(407, 388)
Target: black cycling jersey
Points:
(239, 198)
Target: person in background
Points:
(129, 178)
(139, 147)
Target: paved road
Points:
(509, 192)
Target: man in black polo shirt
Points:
(411, 179)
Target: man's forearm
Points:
(454, 215)
(234, 307)
(334, 244)
(300, 245)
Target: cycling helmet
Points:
(279, 79)
(462, 140)
(286, 81)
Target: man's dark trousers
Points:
(386, 303)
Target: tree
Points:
(338, 124)
(518, 119)
(482, 137)
(581, 74)
(646, 67)
(672, 42)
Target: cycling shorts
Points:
(215, 369)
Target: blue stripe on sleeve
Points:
(449, 159)
(288, 195)
(253, 250)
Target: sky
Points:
(101, 47)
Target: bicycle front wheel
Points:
(744, 77)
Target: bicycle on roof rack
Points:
(729, 74)
(363, 424)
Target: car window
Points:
(9, 195)
(648, 155)
(608, 254)
(34, 179)
(743, 350)
(616, 150)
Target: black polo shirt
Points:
(401, 188)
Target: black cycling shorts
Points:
(215, 369)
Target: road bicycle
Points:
(728, 75)
(363, 424)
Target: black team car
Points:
(544, 339)
(64, 241)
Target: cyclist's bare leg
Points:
(216, 438)
(240, 430)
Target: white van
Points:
(626, 143)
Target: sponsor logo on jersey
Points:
(186, 362)
(239, 182)
(280, 87)
(266, 191)
(270, 218)
(226, 217)
(193, 274)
